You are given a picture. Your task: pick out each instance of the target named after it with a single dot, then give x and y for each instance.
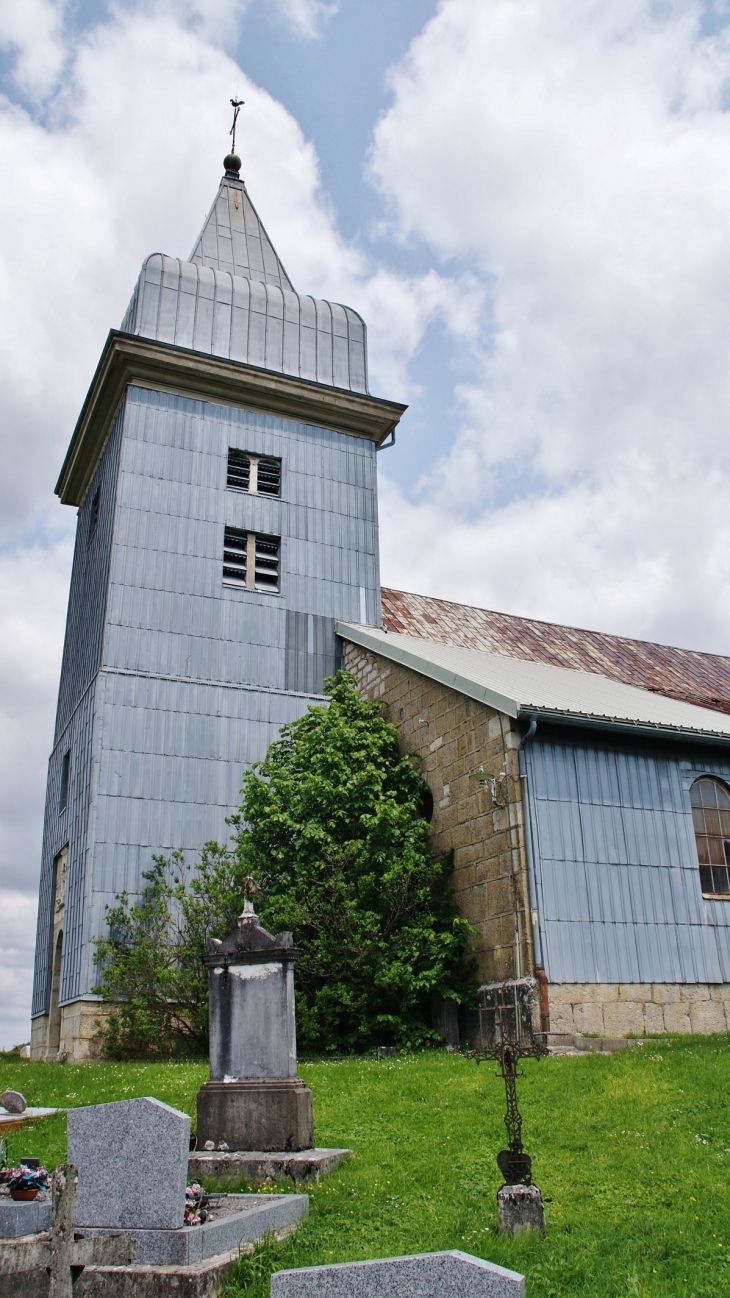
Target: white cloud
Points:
(576, 156)
(31, 32)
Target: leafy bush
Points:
(151, 964)
(330, 826)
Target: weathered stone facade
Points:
(458, 738)
(481, 818)
(638, 1009)
(78, 1036)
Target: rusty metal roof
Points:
(685, 674)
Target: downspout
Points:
(540, 974)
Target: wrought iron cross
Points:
(237, 105)
(507, 1037)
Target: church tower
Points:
(223, 468)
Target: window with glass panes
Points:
(711, 816)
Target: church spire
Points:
(233, 237)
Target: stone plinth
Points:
(520, 1209)
(272, 1114)
(260, 1167)
(244, 1218)
(132, 1160)
(425, 1275)
(18, 1219)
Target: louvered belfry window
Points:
(269, 477)
(258, 474)
(711, 816)
(239, 470)
(235, 548)
(251, 560)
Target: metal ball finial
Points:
(232, 162)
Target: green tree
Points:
(151, 963)
(331, 826)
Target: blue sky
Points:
(529, 203)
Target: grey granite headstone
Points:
(132, 1160)
(13, 1102)
(422, 1275)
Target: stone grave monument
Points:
(132, 1161)
(254, 1103)
(423, 1275)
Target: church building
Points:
(224, 470)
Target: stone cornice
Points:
(128, 359)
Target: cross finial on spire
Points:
(232, 162)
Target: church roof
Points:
(702, 679)
(234, 299)
(527, 687)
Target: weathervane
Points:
(232, 162)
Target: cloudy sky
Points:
(529, 202)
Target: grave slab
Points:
(257, 1167)
(251, 1217)
(451, 1274)
(132, 1160)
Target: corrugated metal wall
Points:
(196, 677)
(74, 720)
(616, 864)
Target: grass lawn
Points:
(632, 1151)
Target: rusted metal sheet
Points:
(684, 674)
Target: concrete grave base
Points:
(256, 1167)
(520, 1209)
(240, 1219)
(427, 1275)
(18, 1219)
(263, 1114)
(198, 1280)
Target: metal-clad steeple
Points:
(234, 239)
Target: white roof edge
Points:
(392, 647)
(373, 638)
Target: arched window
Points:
(711, 815)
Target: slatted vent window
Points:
(251, 560)
(258, 474)
(235, 549)
(711, 815)
(239, 470)
(269, 477)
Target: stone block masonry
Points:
(481, 819)
(639, 1009)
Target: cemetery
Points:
(629, 1149)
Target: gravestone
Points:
(254, 1099)
(132, 1160)
(424, 1275)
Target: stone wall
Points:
(636, 1009)
(481, 820)
(80, 1022)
